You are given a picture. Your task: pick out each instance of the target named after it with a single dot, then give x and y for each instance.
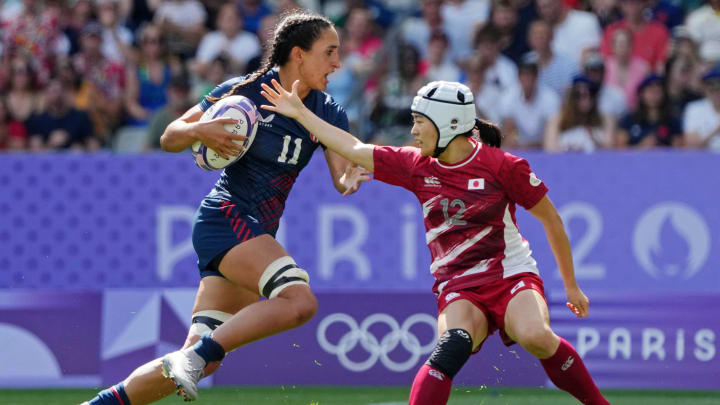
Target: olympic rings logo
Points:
(378, 349)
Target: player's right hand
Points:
(214, 135)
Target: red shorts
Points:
(493, 299)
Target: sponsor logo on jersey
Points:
(517, 286)
(253, 219)
(569, 362)
(436, 374)
(476, 184)
(451, 296)
(265, 121)
(534, 181)
(432, 181)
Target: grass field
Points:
(305, 395)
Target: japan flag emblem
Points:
(476, 184)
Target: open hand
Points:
(283, 102)
(214, 135)
(352, 178)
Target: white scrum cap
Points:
(449, 105)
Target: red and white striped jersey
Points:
(469, 211)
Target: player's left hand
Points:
(578, 302)
(352, 178)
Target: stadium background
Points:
(97, 273)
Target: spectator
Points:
(253, 12)
(183, 23)
(623, 68)
(607, 11)
(81, 13)
(526, 109)
(704, 23)
(556, 70)
(148, 79)
(265, 36)
(649, 38)
(179, 101)
(513, 37)
(682, 45)
(391, 113)
(36, 34)
(611, 98)
(701, 121)
(499, 71)
(439, 67)
(651, 124)
(60, 126)
(116, 39)
(103, 83)
(229, 39)
(361, 44)
(218, 72)
(459, 17)
(416, 31)
(579, 126)
(574, 31)
(24, 96)
(666, 13)
(13, 134)
(680, 85)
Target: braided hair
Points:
(297, 28)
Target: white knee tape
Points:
(207, 321)
(279, 275)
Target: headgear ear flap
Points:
(450, 106)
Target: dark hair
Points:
(297, 28)
(570, 115)
(490, 134)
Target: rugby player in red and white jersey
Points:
(485, 276)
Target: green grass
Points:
(307, 395)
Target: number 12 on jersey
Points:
(283, 158)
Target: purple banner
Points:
(97, 271)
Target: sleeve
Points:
(394, 165)
(690, 119)
(521, 184)
(219, 90)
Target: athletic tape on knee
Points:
(452, 351)
(207, 321)
(280, 274)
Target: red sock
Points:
(430, 387)
(567, 370)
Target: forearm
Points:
(342, 142)
(560, 246)
(178, 136)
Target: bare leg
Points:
(244, 264)
(146, 384)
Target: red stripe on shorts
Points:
(229, 210)
(242, 228)
(117, 395)
(236, 222)
(247, 235)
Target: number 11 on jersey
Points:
(286, 146)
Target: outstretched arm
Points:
(557, 238)
(343, 143)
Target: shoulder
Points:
(409, 154)
(325, 106)
(219, 91)
(697, 106)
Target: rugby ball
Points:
(236, 107)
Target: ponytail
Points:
(490, 133)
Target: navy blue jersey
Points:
(260, 182)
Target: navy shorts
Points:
(220, 225)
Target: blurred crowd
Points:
(559, 75)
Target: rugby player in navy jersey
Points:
(485, 276)
(233, 233)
